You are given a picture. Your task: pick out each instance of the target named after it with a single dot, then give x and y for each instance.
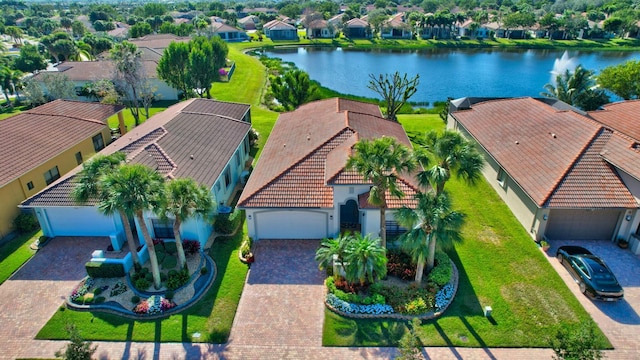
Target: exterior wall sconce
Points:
(249, 216)
(330, 217)
(363, 214)
(545, 217)
(628, 217)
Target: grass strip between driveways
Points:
(16, 252)
(499, 265)
(212, 316)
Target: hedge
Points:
(96, 269)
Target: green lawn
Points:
(129, 121)
(500, 266)
(212, 316)
(15, 253)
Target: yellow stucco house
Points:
(41, 144)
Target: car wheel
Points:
(560, 258)
(583, 288)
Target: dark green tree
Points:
(172, 67)
(30, 60)
(293, 89)
(622, 80)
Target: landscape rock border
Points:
(395, 316)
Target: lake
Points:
(446, 72)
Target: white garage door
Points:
(582, 224)
(291, 225)
(79, 221)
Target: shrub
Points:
(163, 276)
(354, 298)
(400, 265)
(25, 222)
(442, 272)
(98, 269)
(142, 284)
(227, 223)
(191, 246)
(148, 277)
(204, 270)
(97, 291)
(118, 289)
(416, 307)
(135, 299)
(170, 247)
(99, 299)
(160, 256)
(81, 290)
(172, 273)
(178, 279)
(169, 295)
(169, 262)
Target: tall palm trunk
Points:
(176, 233)
(383, 226)
(133, 249)
(432, 252)
(419, 270)
(153, 259)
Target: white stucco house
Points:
(202, 139)
(564, 173)
(300, 188)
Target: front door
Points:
(349, 216)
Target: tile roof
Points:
(177, 142)
(96, 70)
(357, 23)
(307, 150)
(623, 117)
(35, 136)
(552, 154)
(623, 153)
(393, 202)
(278, 25)
(158, 41)
(221, 27)
(318, 24)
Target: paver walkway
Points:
(291, 329)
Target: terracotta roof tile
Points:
(175, 142)
(392, 202)
(35, 136)
(535, 143)
(623, 153)
(623, 117)
(591, 182)
(94, 70)
(308, 148)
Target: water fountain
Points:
(561, 65)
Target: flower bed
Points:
(422, 302)
(155, 304)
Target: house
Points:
(228, 33)
(396, 28)
(337, 21)
(278, 30)
(158, 42)
(320, 29)
(300, 188)
(203, 139)
(249, 22)
(83, 72)
(565, 174)
(357, 29)
(40, 145)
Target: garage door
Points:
(80, 221)
(291, 225)
(582, 224)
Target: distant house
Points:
(320, 29)
(83, 72)
(120, 32)
(300, 188)
(278, 30)
(249, 22)
(40, 145)
(336, 21)
(178, 144)
(357, 29)
(565, 174)
(228, 33)
(396, 28)
(159, 42)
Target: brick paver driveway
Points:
(620, 321)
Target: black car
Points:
(594, 277)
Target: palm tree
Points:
(88, 185)
(432, 220)
(380, 161)
(332, 251)
(366, 258)
(182, 199)
(450, 152)
(134, 188)
(577, 88)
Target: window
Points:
(79, 157)
(237, 157)
(52, 175)
(502, 176)
(98, 142)
(246, 145)
(394, 229)
(227, 178)
(163, 229)
(30, 185)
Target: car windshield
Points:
(600, 273)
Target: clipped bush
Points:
(142, 284)
(353, 298)
(97, 291)
(163, 276)
(178, 279)
(170, 247)
(227, 223)
(97, 269)
(135, 299)
(25, 222)
(204, 270)
(416, 307)
(148, 277)
(100, 299)
(442, 272)
(169, 295)
(172, 273)
(169, 262)
(160, 256)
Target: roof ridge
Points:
(140, 149)
(573, 164)
(155, 144)
(277, 176)
(70, 117)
